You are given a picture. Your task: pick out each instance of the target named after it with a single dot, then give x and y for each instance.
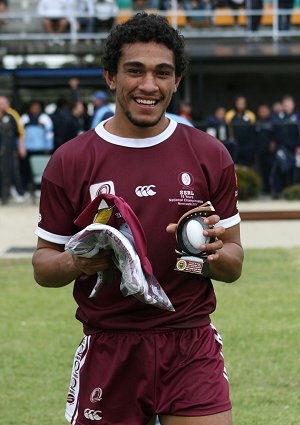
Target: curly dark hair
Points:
(144, 27)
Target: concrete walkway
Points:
(18, 223)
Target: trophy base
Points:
(192, 265)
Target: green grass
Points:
(258, 317)
(39, 338)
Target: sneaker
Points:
(19, 199)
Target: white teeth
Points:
(146, 102)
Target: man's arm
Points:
(225, 264)
(226, 252)
(55, 267)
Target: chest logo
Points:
(142, 191)
(102, 188)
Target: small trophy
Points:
(189, 235)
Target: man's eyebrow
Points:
(138, 64)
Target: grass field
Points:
(258, 318)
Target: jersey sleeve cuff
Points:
(51, 237)
(230, 221)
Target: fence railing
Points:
(212, 22)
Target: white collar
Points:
(135, 143)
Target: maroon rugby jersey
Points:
(161, 178)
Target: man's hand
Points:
(213, 232)
(98, 263)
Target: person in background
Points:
(3, 9)
(77, 96)
(101, 110)
(179, 118)
(284, 18)
(253, 21)
(218, 127)
(75, 122)
(55, 15)
(276, 110)
(235, 5)
(39, 138)
(106, 12)
(171, 361)
(11, 146)
(185, 110)
(241, 122)
(287, 136)
(60, 115)
(86, 19)
(265, 146)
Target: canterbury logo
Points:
(145, 190)
(93, 415)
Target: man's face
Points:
(3, 105)
(220, 113)
(263, 112)
(144, 83)
(35, 108)
(288, 105)
(240, 104)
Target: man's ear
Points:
(177, 81)
(110, 79)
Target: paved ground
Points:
(18, 222)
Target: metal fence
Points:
(209, 22)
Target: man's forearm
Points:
(228, 267)
(53, 268)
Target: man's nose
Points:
(148, 82)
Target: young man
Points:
(137, 361)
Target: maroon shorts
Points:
(125, 378)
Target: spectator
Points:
(240, 121)
(277, 110)
(288, 146)
(3, 9)
(101, 109)
(179, 118)
(38, 136)
(55, 16)
(75, 123)
(284, 18)
(10, 143)
(196, 5)
(185, 111)
(139, 5)
(253, 21)
(217, 127)
(59, 117)
(74, 84)
(265, 146)
(235, 5)
(86, 11)
(106, 12)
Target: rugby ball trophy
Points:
(189, 236)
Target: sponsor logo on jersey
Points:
(147, 190)
(102, 188)
(93, 415)
(96, 395)
(186, 195)
(186, 179)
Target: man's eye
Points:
(164, 73)
(134, 71)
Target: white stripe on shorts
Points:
(218, 338)
(72, 399)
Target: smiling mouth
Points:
(147, 102)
